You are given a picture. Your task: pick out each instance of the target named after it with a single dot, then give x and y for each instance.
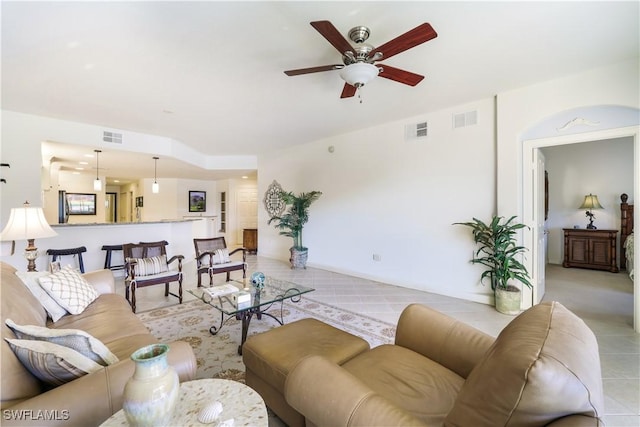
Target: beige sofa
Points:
(90, 399)
(543, 369)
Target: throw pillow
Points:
(30, 279)
(150, 266)
(220, 256)
(75, 339)
(70, 290)
(52, 363)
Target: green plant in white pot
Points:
(499, 252)
(292, 222)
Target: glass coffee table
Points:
(233, 299)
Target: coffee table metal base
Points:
(245, 316)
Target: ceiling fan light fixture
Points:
(359, 74)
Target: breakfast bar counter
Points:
(178, 232)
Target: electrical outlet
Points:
(377, 257)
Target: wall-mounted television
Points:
(81, 204)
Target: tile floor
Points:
(603, 300)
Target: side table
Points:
(239, 402)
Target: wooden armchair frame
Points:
(134, 251)
(205, 249)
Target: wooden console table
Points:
(594, 249)
(250, 240)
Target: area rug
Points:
(217, 355)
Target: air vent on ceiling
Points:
(461, 120)
(113, 137)
(416, 131)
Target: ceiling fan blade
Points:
(348, 91)
(420, 34)
(398, 75)
(313, 69)
(333, 36)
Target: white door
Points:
(539, 231)
(247, 209)
(124, 207)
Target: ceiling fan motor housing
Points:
(359, 34)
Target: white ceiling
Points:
(210, 74)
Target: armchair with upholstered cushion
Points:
(146, 264)
(543, 369)
(213, 257)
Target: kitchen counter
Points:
(100, 224)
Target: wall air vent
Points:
(465, 119)
(112, 137)
(416, 131)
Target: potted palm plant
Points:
(292, 222)
(499, 252)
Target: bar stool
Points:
(56, 253)
(107, 258)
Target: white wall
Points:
(382, 194)
(395, 198)
(522, 108)
(603, 168)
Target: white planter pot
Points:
(508, 300)
(298, 257)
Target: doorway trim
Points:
(529, 175)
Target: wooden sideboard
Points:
(594, 249)
(250, 239)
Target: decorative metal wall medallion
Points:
(273, 203)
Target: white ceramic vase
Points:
(151, 394)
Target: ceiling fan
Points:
(358, 66)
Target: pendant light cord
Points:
(98, 163)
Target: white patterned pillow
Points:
(52, 363)
(220, 256)
(149, 266)
(70, 290)
(30, 279)
(75, 339)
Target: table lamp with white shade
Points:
(27, 223)
(590, 203)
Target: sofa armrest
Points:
(339, 398)
(576, 421)
(91, 399)
(443, 339)
(101, 280)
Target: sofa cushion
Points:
(149, 266)
(220, 256)
(418, 385)
(31, 281)
(109, 319)
(52, 363)
(543, 366)
(74, 339)
(69, 289)
(17, 381)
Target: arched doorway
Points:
(573, 127)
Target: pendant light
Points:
(97, 184)
(155, 188)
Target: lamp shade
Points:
(591, 202)
(359, 73)
(27, 223)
